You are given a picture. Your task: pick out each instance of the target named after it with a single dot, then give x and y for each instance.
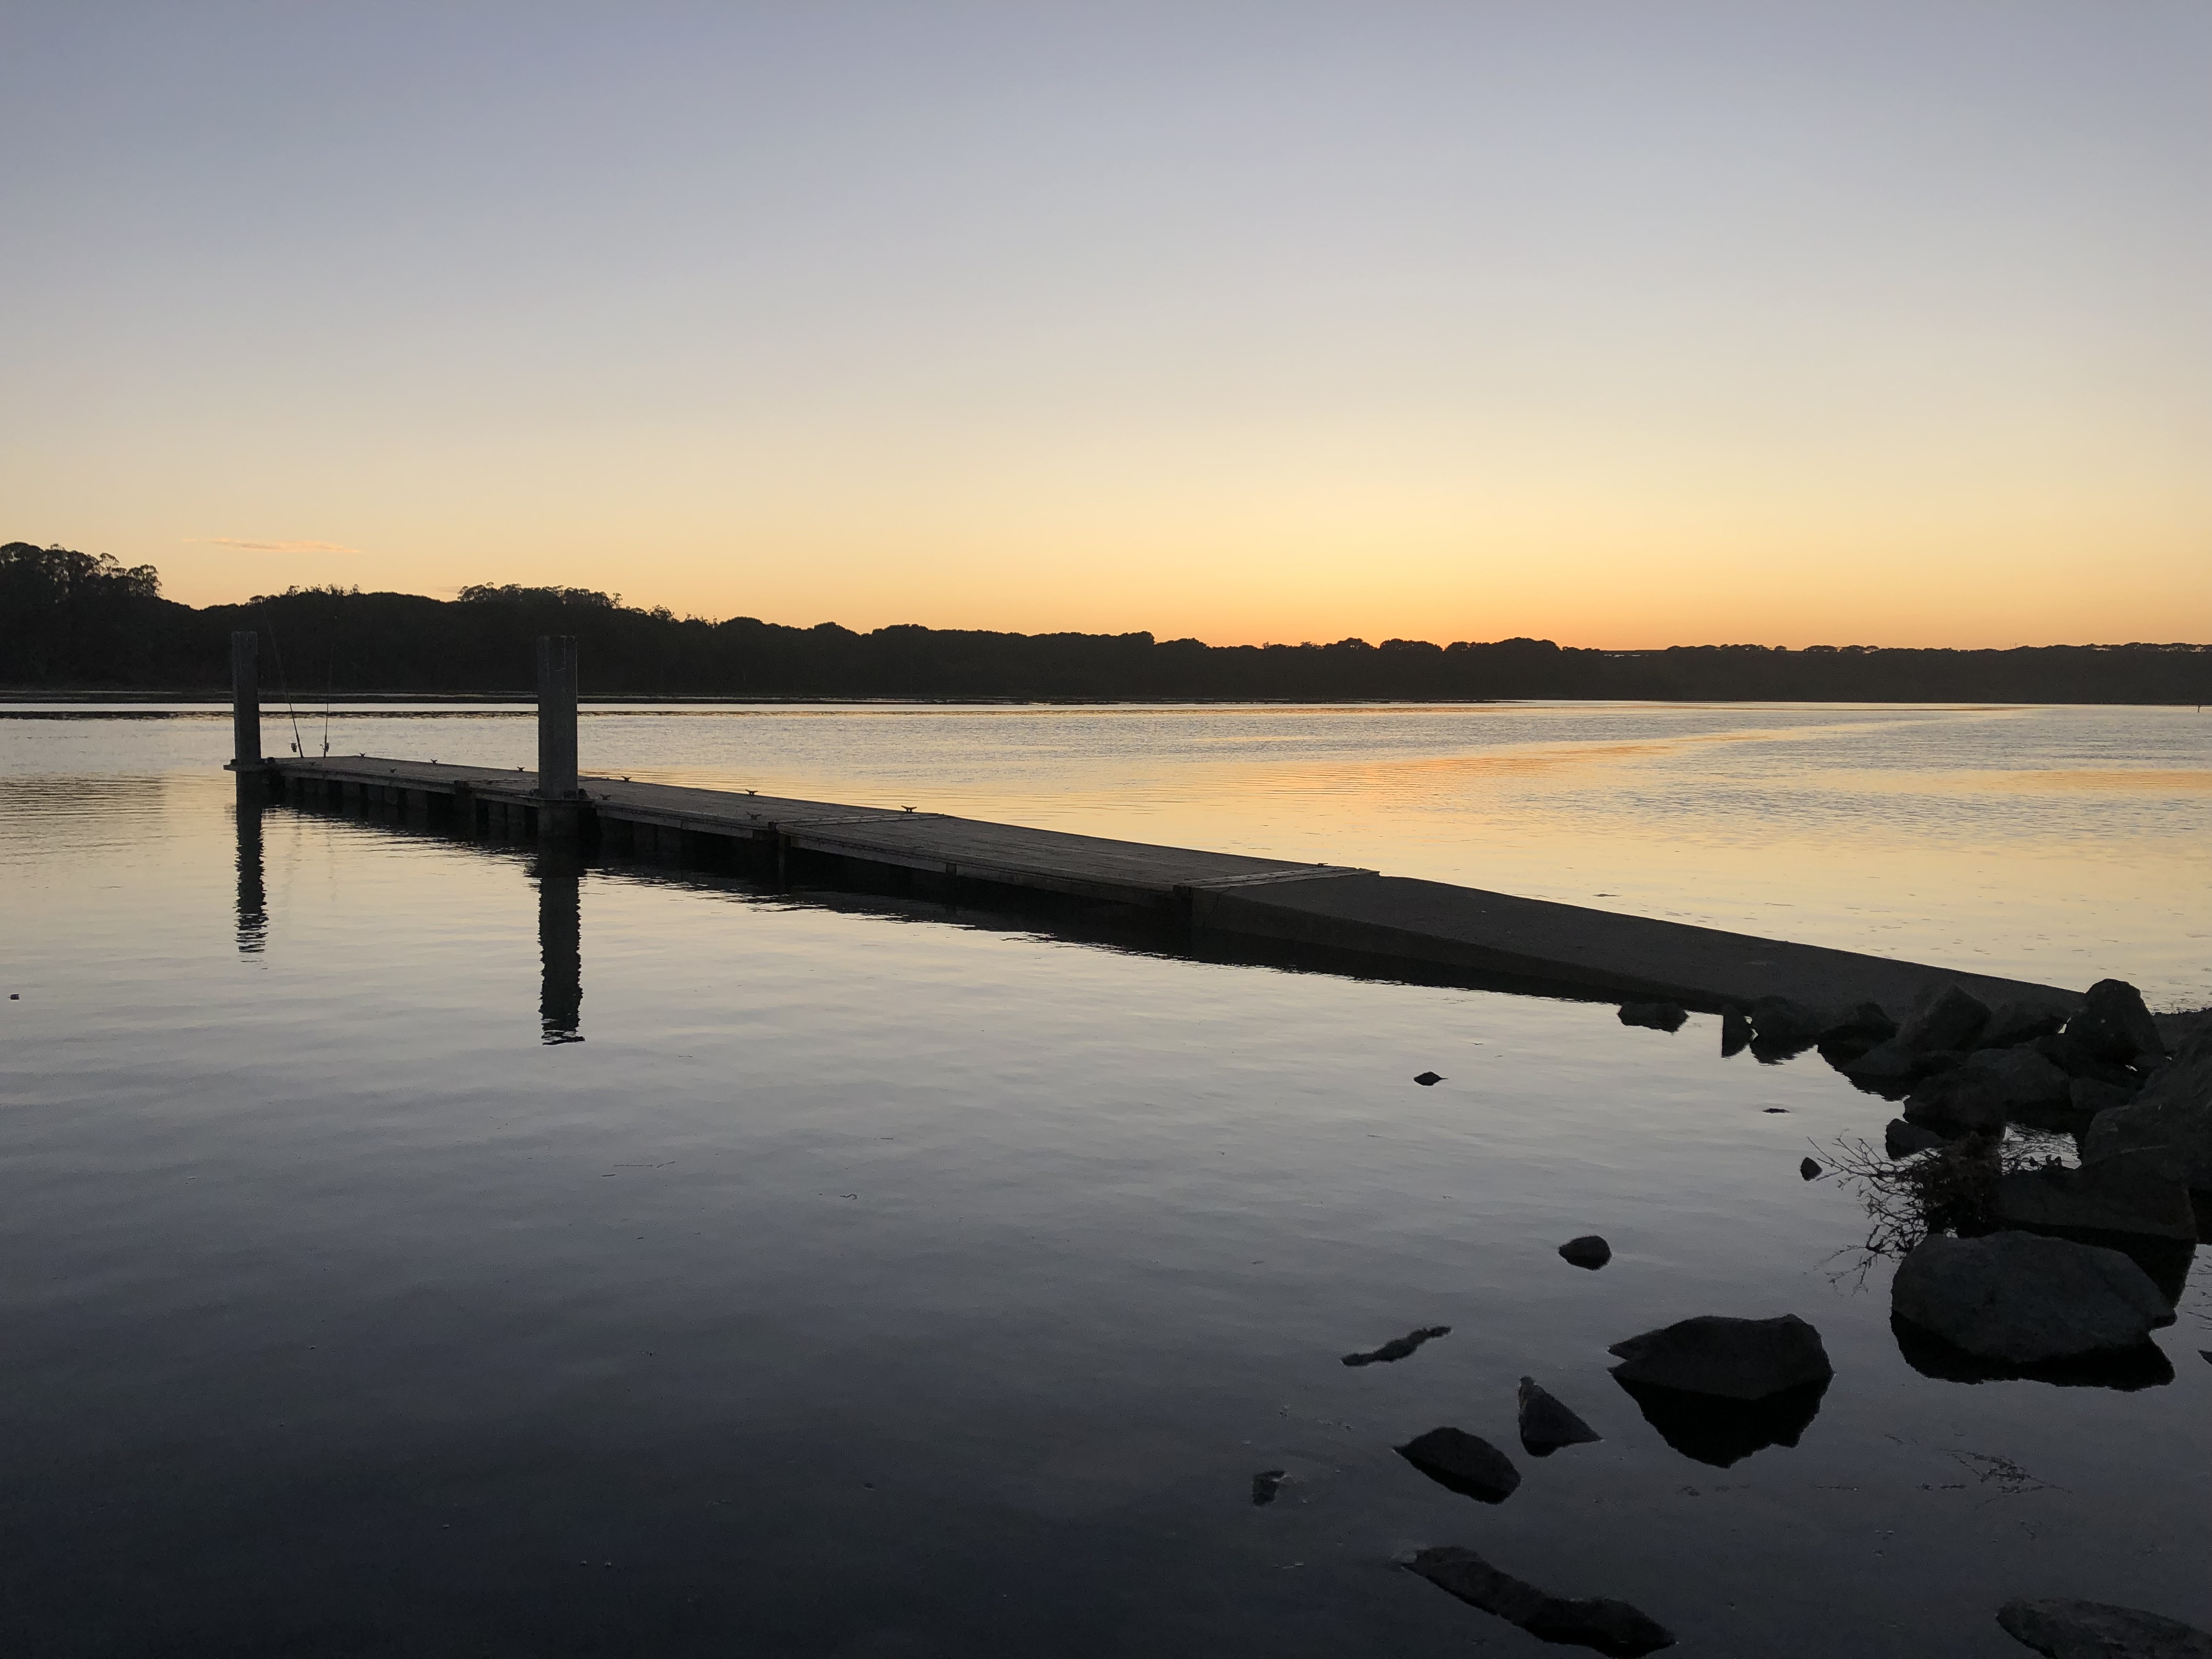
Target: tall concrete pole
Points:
(556, 717)
(244, 702)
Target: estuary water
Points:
(876, 1278)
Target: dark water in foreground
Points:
(883, 1281)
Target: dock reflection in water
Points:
(559, 878)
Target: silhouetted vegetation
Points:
(73, 621)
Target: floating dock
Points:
(1364, 919)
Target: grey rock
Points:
(1782, 1023)
(1735, 1030)
(2134, 1192)
(2174, 1110)
(1546, 1424)
(1901, 1139)
(1397, 1346)
(1611, 1627)
(1659, 1016)
(1266, 1485)
(1588, 1251)
(2085, 1096)
(1732, 1359)
(2022, 1298)
(1866, 1021)
(2066, 1629)
(1886, 1064)
(2025, 1080)
(1960, 1099)
(1952, 1018)
(2013, 1023)
(1466, 1462)
(2114, 1025)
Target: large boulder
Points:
(2022, 1298)
(2174, 1110)
(1952, 1018)
(2114, 1024)
(2067, 1628)
(1612, 1627)
(1732, 1359)
(2134, 1192)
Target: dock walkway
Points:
(1338, 909)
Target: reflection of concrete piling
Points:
(252, 890)
(556, 736)
(244, 702)
(560, 946)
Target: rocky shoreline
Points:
(2010, 1264)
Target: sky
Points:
(1622, 323)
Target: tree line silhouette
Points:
(72, 621)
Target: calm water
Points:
(879, 1280)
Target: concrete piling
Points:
(245, 702)
(556, 738)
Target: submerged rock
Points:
(2011, 1023)
(1732, 1359)
(1735, 1031)
(2174, 1110)
(2066, 1629)
(1902, 1140)
(1952, 1018)
(1659, 1016)
(1546, 1424)
(2113, 1025)
(1397, 1346)
(2132, 1192)
(1266, 1485)
(2022, 1298)
(1610, 1626)
(1466, 1462)
(1588, 1251)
